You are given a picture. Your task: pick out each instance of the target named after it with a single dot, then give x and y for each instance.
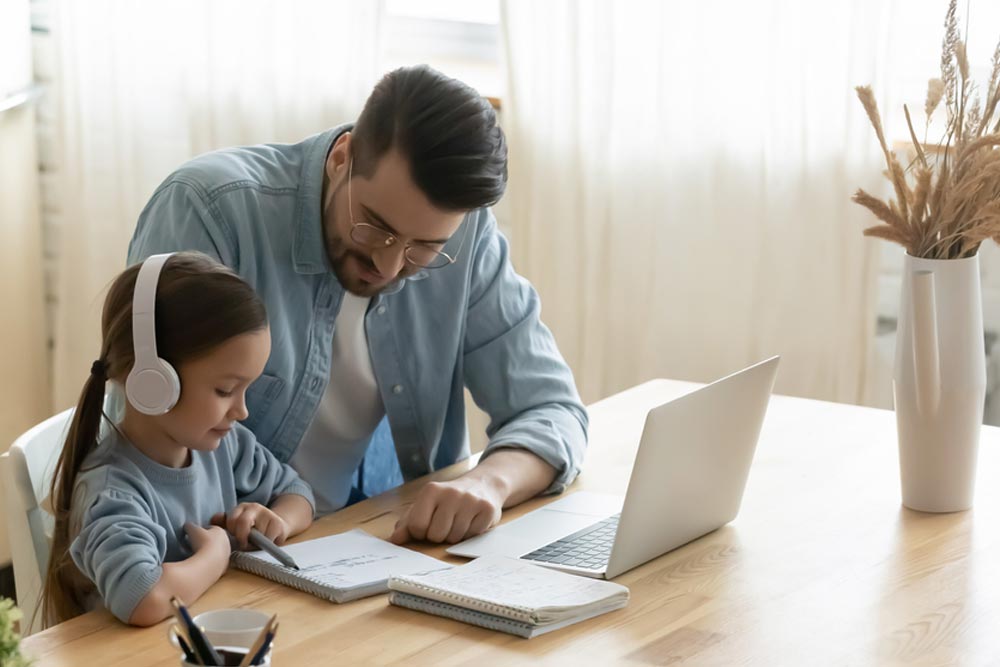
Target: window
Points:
(459, 37)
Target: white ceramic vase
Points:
(939, 382)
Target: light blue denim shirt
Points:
(474, 323)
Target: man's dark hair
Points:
(446, 131)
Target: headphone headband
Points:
(144, 309)
(152, 386)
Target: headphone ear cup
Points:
(153, 390)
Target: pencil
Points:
(259, 658)
(250, 657)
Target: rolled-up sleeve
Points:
(513, 367)
(260, 477)
(120, 549)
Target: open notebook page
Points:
(350, 560)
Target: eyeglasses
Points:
(374, 237)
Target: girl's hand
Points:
(187, 579)
(253, 515)
(212, 539)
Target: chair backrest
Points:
(27, 470)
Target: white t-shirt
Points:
(348, 413)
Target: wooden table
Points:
(822, 567)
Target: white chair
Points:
(27, 470)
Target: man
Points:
(388, 289)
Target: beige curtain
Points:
(680, 183)
(145, 86)
(24, 390)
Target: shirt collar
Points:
(309, 250)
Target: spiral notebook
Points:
(339, 568)
(507, 594)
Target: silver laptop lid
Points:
(692, 466)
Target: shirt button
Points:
(397, 389)
(315, 383)
(380, 310)
(415, 457)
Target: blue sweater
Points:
(128, 511)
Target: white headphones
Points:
(152, 387)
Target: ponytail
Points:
(199, 304)
(64, 591)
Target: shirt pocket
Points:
(264, 407)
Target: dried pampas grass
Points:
(954, 204)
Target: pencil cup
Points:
(230, 627)
(232, 655)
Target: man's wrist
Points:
(516, 474)
(492, 473)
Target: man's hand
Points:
(450, 512)
(470, 505)
(253, 515)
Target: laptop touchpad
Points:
(538, 528)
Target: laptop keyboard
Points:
(589, 548)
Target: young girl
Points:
(134, 512)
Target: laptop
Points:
(687, 480)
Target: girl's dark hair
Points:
(446, 131)
(199, 305)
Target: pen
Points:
(261, 541)
(189, 655)
(264, 543)
(202, 648)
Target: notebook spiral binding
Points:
(523, 614)
(482, 619)
(279, 574)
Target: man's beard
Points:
(338, 252)
(339, 255)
